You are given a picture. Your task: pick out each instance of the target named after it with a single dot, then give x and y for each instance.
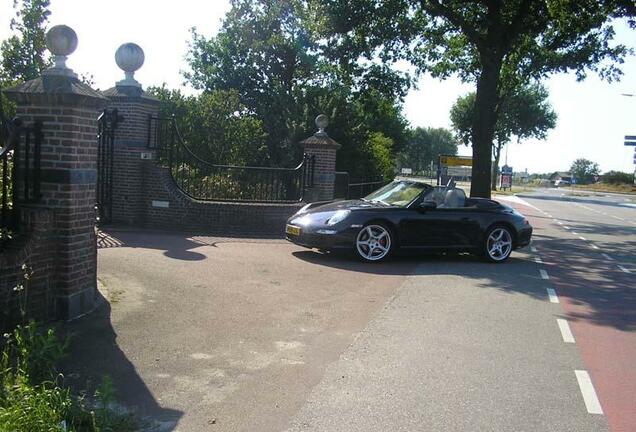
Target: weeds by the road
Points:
(33, 397)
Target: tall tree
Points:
(524, 113)
(583, 170)
(488, 42)
(268, 52)
(23, 54)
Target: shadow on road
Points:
(175, 246)
(587, 278)
(94, 354)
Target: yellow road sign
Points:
(456, 161)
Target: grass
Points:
(33, 397)
(605, 187)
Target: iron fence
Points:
(20, 156)
(205, 181)
(348, 188)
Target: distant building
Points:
(561, 177)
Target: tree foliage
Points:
(269, 52)
(23, 54)
(584, 171)
(523, 113)
(423, 147)
(495, 43)
(618, 177)
(216, 126)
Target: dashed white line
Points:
(533, 249)
(589, 394)
(575, 233)
(559, 222)
(544, 274)
(623, 268)
(538, 260)
(566, 227)
(582, 238)
(552, 295)
(593, 246)
(607, 256)
(566, 333)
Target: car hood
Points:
(344, 205)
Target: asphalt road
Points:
(203, 334)
(465, 346)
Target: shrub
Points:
(618, 177)
(32, 397)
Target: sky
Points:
(593, 116)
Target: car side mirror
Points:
(428, 205)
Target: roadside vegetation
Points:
(33, 394)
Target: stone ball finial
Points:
(61, 40)
(129, 57)
(322, 121)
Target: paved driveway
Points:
(206, 334)
(212, 334)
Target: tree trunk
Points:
(484, 125)
(495, 166)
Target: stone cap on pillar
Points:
(129, 57)
(58, 84)
(321, 138)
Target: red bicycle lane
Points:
(599, 302)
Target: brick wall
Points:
(324, 170)
(131, 139)
(214, 218)
(69, 173)
(36, 247)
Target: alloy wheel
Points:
(373, 242)
(499, 244)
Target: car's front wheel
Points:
(374, 242)
(498, 244)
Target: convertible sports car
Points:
(409, 214)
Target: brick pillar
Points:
(324, 149)
(130, 150)
(131, 137)
(68, 110)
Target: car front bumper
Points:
(311, 238)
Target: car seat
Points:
(455, 198)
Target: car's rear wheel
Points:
(498, 244)
(374, 242)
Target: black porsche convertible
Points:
(409, 214)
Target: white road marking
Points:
(593, 246)
(544, 274)
(589, 394)
(582, 238)
(559, 222)
(538, 260)
(533, 249)
(566, 227)
(623, 268)
(566, 333)
(552, 295)
(607, 256)
(575, 233)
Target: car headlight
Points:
(338, 216)
(303, 209)
(302, 221)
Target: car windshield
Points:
(397, 193)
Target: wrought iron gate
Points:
(107, 124)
